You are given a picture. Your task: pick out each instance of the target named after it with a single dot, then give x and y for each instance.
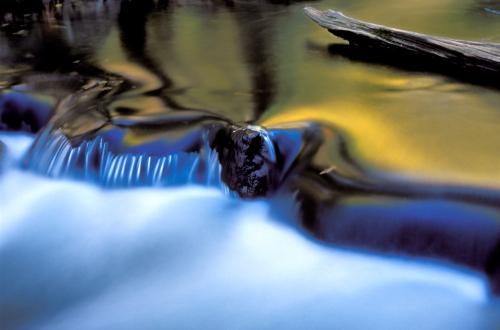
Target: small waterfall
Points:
(52, 154)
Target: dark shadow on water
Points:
(132, 20)
(257, 34)
(408, 62)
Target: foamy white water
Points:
(75, 256)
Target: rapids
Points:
(76, 256)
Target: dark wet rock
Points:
(23, 112)
(248, 160)
(256, 161)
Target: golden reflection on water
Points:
(406, 123)
(416, 124)
(112, 59)
(205, 60)
(409, 123)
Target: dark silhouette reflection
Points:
(257, 34)
(257, 53)
(409, 62)
(258, 31)
(59, 60)
(20, 10)
(132, 20)
(47, 47)
(56, 7)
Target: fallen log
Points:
(478, 62)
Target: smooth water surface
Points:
(267, 62)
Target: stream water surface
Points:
(181, 251)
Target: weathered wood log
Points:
(470, 60)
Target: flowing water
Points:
(75, 254)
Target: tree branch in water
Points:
(478, 62)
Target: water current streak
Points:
(53, 155)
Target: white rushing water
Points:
(53, 155)
(75, 256)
